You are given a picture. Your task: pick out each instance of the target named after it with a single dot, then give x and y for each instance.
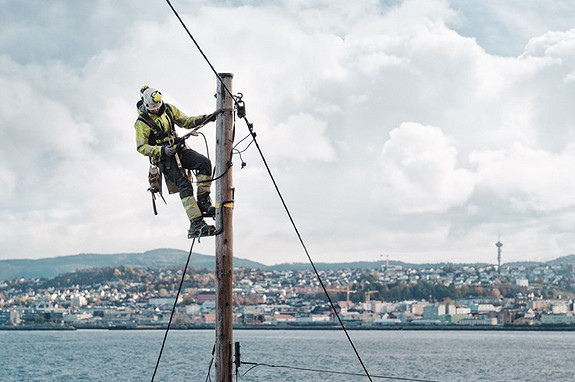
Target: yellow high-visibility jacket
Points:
(154, 130)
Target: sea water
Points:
(289, 355)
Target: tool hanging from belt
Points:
(155, 180)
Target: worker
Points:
(155, 134)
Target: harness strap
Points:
(159, 133)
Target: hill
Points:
(157, 258)
(363, 264)
(154, 259)
(173, 258)
(565, 260)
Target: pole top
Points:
(223, 75)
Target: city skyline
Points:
(486, 295)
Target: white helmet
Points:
(152, 99)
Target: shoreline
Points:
(538, 328)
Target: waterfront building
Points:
(463, 310)
(477, 321)
(557, 319)
(4, 317)
(75, 318)
(539, 305)
(559, 307)
(282, 318)
(387, 319)
(455, 318)
(482, 308)
(314, 318)
(434, 311)
(418, 307)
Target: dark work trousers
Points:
(191, 160)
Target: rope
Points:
(250, 127)
(254, 365)
(173, 310)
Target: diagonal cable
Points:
(173, 310)
(299, 368)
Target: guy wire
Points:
(255, 364)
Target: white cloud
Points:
(559, 46)
(529, 179)
(420, 172)
(8, 186)
(301, 137)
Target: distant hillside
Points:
(564, 260)
(172, 258)
(157, 258)
(328, 266)
(569, 259)
(364, 264)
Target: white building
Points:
(559, 307)
(477, 321)
(463, 310)
(483, 308)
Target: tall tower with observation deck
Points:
(499, 244)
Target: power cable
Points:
(254, 365)
(173, 309)
(199, 48)
(309, 258)
(208, 376)
(250, 127)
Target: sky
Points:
(411, 130)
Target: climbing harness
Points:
(158, 135)
(170, 139)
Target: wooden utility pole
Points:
(224, 241)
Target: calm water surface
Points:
(101, 355)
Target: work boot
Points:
(198, 227)
(205, 204)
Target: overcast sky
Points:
(414, 130)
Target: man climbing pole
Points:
(156, 138)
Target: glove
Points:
(168, 151)
(212, 117)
